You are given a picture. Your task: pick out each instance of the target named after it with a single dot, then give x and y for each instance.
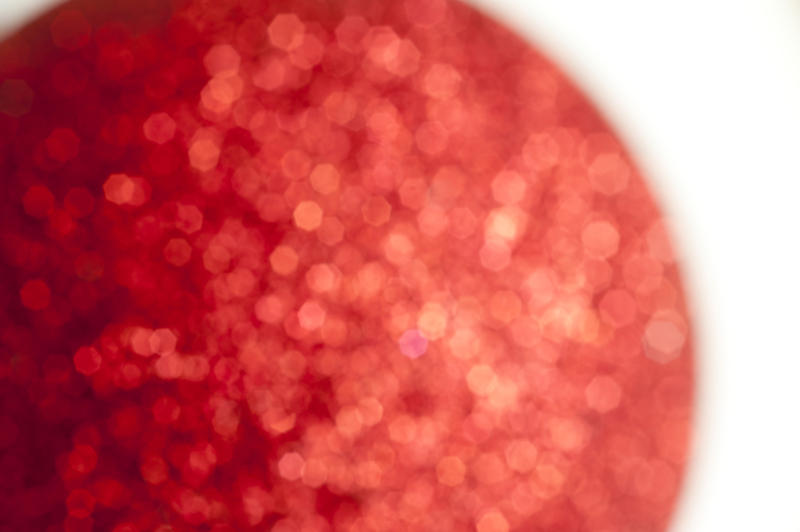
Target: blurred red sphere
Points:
(303, 266)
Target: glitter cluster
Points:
(325, 266)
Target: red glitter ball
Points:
(303, 266)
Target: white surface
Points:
(13, 12)
(707, 96)
(706, 93)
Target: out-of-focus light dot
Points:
(442, 81)
(270, 74)
(505, 306)
(61, 222)
(122, 189)
(139, 338)
(643, 274)
(658, 243)
(335, 331)
(383, 124)
(369, 475)
(495, 254)
(154, 469)
(541, 151)
(350, 33)
(376, 211)
(370, 279)
(128, 376)
(322, 278)
(270, 309)
(488, 468)
(406, 59)
(307, 215)
(222, 59)
(526, 499)
(447, 185)
(70, 30)
(217, 258)
(492, 521)
(481, 379)
(62, 144)
(80, 503)
(371, 411)
(349, 421)
(340, 107)
(177, 252)
(292, 364)
(663, 340)
(432, 321)
(330, 231)
(432, 220)
(194, 368)
(618, 308)
(189, 218)
(431, 138)
(311, 315)
(412, 343)
(308, 54)
(540, 287)
(82, 459)
(87, 360)
(382, 46)
(35, 294)
(204, 154)
(508, 188)
(325, 178)
(220, 93)
(403, 429)
(569, 434)
(413, 193)
(241, 282)
(159, 128)
(464, 343)
(283, 260)
(163, 341)
(295, 164)
(450, 471)
(521, 455)
(603, 394)
(397, 248)
(291, 466)
(315, 472)
(504, 223)
(38, 201)
(600, 239)
(609, 174)
(550, 479)
(286, 31)
(169, 367)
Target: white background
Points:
(706, 94)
